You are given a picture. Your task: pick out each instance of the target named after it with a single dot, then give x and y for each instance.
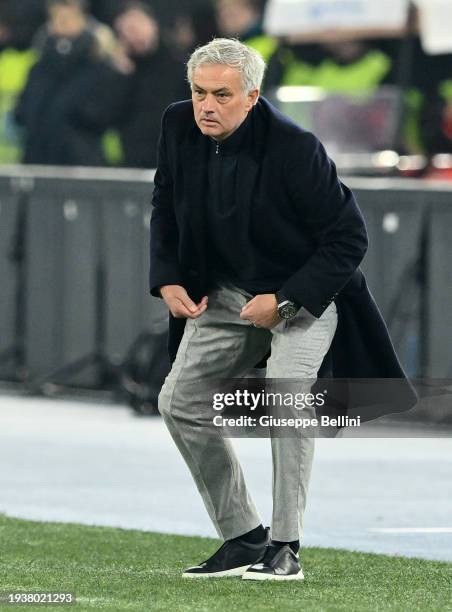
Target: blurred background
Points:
(82, 89)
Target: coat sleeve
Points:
(164, 236)
(330, 215)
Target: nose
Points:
(208, 104)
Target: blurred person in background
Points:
(239, 18)
(354, 67)
(186, 23)
(183, 23)
(243, 19)
(348, 66)
(18, 24)
(155, 77)
(74, 50)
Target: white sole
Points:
(236, 571)
(262, 576)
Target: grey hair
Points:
(230, 52)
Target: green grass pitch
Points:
(116, 569)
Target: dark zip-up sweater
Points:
(233, 257)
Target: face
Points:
(219, 102)
(66, 21)
(137, 31)
(234, 16)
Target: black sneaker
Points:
(233, 558)
(278, 563)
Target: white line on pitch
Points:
(411, 529)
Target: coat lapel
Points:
(195, 155)
(247, 174)
(249, 165)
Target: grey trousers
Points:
(220, 345)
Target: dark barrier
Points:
(85, 271)
(408, 267)
(397, 221)
(74, 270)
(11, 342)
(439, 301)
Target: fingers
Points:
(247, 311)
(179, 310)
(248, 306)
(260, 310)
(251, 314)
(187, 303)
(246, 316)
(196, 310)
(183, 307)
(203, 302)
(202, 307)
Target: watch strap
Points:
(280, 298)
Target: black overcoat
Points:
(291, 201)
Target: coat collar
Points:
(195, 145)
(237, 140)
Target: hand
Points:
(262, 310)
(122, 61)
(180, 304)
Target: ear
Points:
(252, 99)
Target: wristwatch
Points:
(287, 309)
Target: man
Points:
(243, 19)
(155, 78)
(54, 107)
(253, 241)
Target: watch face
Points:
(287, 311)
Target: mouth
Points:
(209, 121)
